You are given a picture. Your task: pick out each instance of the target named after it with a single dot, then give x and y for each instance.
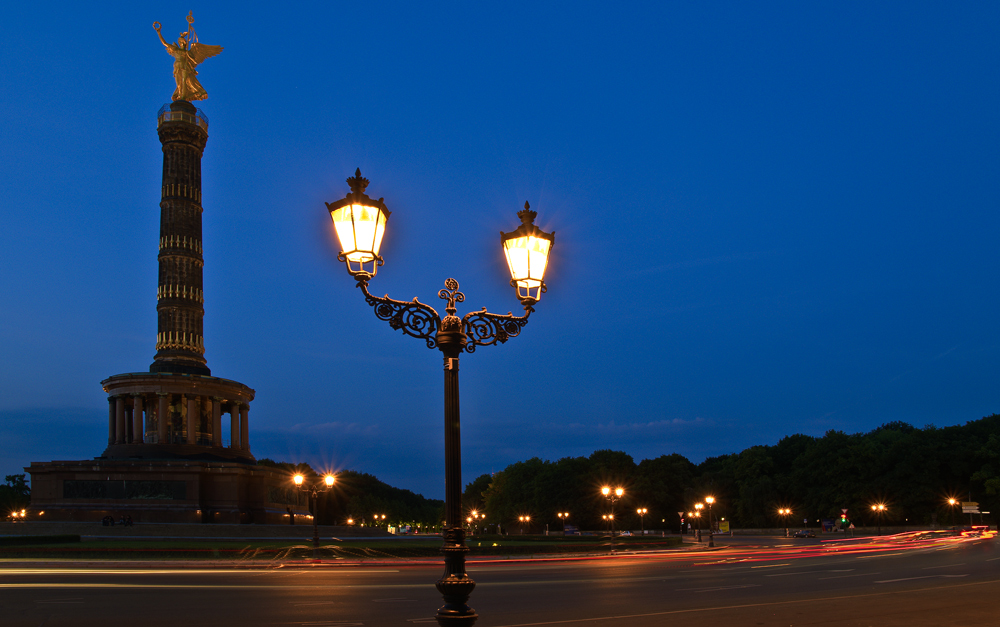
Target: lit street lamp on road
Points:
(360, 224)
(697, 512)
(524, 520)
(642, 520)
(785, 512)
(563, 516)
(314, 491)
(612, 495)
(711, 525)
(879, 509)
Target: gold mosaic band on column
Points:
(180, 291)
(176, 190)
(183, 340)
(178, 241)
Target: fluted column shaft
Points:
(179, 341)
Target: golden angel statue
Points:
(187, 54)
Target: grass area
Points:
(277, 550)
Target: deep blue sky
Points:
(771, 218)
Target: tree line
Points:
(912, 471)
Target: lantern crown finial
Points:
(526, 215)
(357, 182)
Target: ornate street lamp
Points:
(785, 512)
(612, 495)
(360, 225)
(314, 490)
(697, 512)
(879, 509)
(642, 520)
(711, 525)
(563, 516)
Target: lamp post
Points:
(953, 502)
(785, 512)
(474, 518)
(711, 525)
(314, 490)
(697, 512)
(563, 516)
(642, 520)
(612, 495)
(360, 224)
(879, 509)
(524, 521)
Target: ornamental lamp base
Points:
(455, 612)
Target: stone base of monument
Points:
(164, 491)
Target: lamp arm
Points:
(411, 317)
(485, 329)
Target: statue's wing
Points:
(200, 52)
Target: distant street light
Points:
(953, 502)
(473, 520)
(697, 512)
(879, 509)
(642, 520)
(711, 525)
(563, 516)
(360, 224)
(313, 490)
(784, 512)
(524, 522)
(612, 495)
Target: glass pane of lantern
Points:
(526, 258)
(345, 228)
(360, 230)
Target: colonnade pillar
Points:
(244, 429)
(192, 416)
(138, 428)
(111, 420)
(216, 421)
(119, 420)
(234, 426)
(162, 420)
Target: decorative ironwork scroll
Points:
(485, 329)
(421, 321)
(411, 317)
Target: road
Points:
(877, 583)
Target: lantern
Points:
(527, 251)
(360, 225)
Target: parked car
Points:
(804, 533)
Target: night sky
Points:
(771, 218)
